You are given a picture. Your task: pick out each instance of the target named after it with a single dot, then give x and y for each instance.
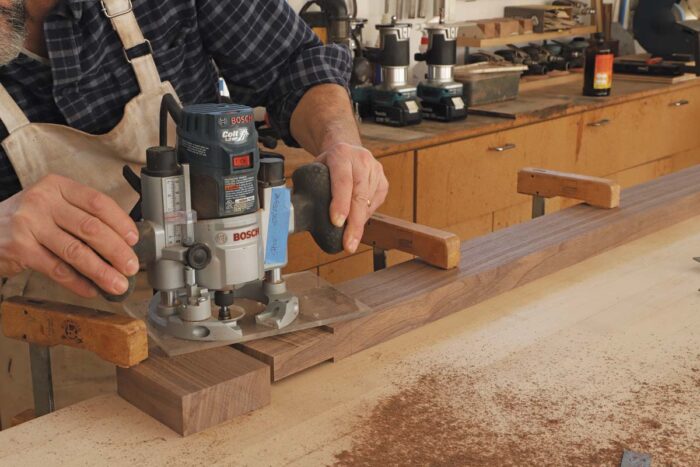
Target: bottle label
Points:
(602, 79)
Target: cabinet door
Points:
(678, 121)
(619, 137)
(466, 180)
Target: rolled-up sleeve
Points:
(269, 56)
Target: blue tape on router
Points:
(278, 228)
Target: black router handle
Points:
(312, 200)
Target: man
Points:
(77, 64)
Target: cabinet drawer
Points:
(464, 180)
(618, 137)
(679, 121)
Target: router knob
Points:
(198, 256)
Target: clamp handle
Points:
(312, 203)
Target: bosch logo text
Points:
(239, 119)
(247, 235)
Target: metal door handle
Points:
(600, 123)
(507, 147)
(680, 103)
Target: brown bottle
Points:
(598, 70)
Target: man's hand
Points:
(359, 187)
(324, 124)
(62, 229)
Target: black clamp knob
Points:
(198, 256)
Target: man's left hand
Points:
(359, 187)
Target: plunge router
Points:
(216, 218)
(336, 22)
(394, 102)
(441, 96)
(333, 22)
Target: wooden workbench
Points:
(449, 176)
(569, 370)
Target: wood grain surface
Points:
(193, 392)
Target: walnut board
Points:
(190, 393)
(412, 294)
(567, 370)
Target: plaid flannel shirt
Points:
(264, 51)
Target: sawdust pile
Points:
(451, 417)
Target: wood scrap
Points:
(499, 27)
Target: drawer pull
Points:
(507, 147)
(600, 123)
(680, 103)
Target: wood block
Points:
(117, 339)
(527, 26)
(598, 192)
(472, 31)
(499, 27)
(508, 27)
(22, 417)
(487, 28)
(193, 392)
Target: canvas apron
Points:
(39, 149)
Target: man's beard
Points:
(12, 31)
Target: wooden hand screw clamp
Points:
(117, 339)
(541, 184)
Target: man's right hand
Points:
(60, 228)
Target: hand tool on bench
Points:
(116, 339)
(543, 184)
(436, 247)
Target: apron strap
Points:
(121, 14)
(11, 115)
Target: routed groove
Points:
(412, 294)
